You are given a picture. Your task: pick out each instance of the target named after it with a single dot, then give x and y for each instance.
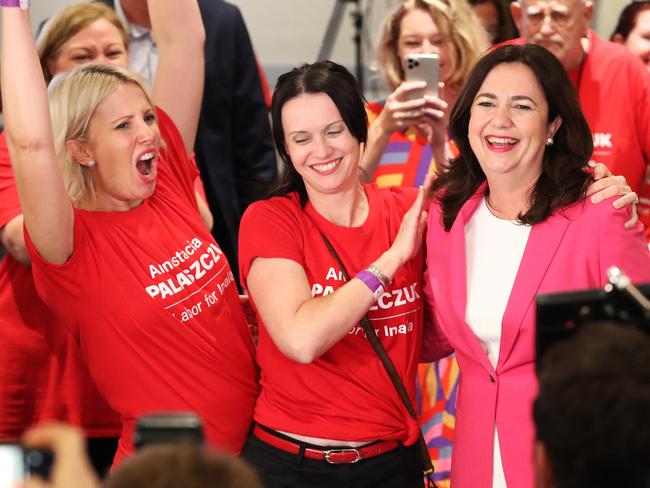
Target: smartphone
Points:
(422, 67)
(17, 463)
(168, 428)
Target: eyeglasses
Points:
(536, 16)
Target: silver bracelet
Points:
(380, 275)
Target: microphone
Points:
(619, 280)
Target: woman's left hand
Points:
(606, 185)
(409, 239)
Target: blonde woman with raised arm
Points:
(117, 245)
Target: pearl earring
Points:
(549, 141)
(90, 164)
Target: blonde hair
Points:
(459, 27)
(67, 23)
(74, 97)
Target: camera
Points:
(168, 428)
(560, 315)
(16, 463)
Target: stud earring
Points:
(90, 164)
(549, 141)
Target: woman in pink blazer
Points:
(511, 221)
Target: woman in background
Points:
(406, 137)
(633, 30)
(496, 19)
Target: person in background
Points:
(590, 413)
(496, 19)
(180, 465)
(328, 414)
(71, 467)
(633, 30)
(509, 215)
(118, 249)
(407, 137)
(614, 101)
(156, 466)
(233, 149)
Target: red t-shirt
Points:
(42, 376)
(152, 300)
(345, 394)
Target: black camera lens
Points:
(39, 462)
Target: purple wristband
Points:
(23, 4)
(372, 282)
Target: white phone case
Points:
(423, 67)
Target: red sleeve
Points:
(9, 203)
(405, 195)
(270, 229)
(178, 171)
(69, 279)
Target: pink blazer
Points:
(571, 250)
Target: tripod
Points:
(333, 27)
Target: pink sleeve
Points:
(434, 343)
(627, 249)
(643, 124)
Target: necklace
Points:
(495, 211)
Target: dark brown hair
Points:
(591, 414)
(321, 77)
(506, 27)
(627, 20)
(563, 180)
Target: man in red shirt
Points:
(612, 85)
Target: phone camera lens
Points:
(417, 63)
(39, 462)
(33, 458)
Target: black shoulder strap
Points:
(390, 369)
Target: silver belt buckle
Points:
(336, 451)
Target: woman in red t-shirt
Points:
(42, 376)
(118, 249)
(327, 412)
